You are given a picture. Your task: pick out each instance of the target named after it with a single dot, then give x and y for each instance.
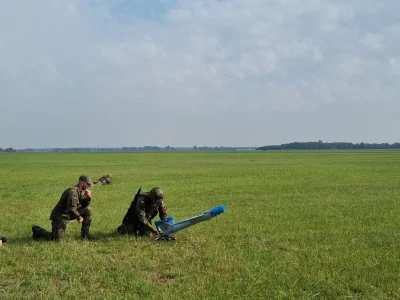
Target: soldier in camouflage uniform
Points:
(73, 205)
(106, 179)
(145, 208)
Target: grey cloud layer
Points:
(202, 72)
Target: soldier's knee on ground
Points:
(58, 229)
(58, 235)
(126, 229)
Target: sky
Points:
(183, 73)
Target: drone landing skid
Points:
(165, 238)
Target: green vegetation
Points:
(298, 225)
(320, 145)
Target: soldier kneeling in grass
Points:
(143, 209)
(73, 205)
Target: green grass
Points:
(298, 225)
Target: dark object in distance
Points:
(3, 239)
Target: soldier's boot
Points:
(85, 235)
(37, 232)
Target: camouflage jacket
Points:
(147, 209)
(71, 200)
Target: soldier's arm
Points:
(72, 203)
(142, 215)
(163, 211)
(85, 199)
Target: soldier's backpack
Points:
(129, 221)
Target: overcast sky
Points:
(198, 72)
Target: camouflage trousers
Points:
(136, 230)
(59, 225)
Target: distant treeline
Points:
(8, 150)
(129, 149)
(320, 145)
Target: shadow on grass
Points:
(105, 236)
(18, 240)
(97, 237)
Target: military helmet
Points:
(157, 193)
(86, 178)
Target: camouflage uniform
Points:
(72, 205)
(145, 209)
(106, 179)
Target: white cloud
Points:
(373, 41)
(394, 62)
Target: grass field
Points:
(298, 225)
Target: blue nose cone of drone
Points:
(217, 210)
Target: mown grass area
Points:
(298, 225)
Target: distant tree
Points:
(336, 145)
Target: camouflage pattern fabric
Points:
(106, 179)
(146, 209)
(73, 204)
(58, 226)
(67, 207)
